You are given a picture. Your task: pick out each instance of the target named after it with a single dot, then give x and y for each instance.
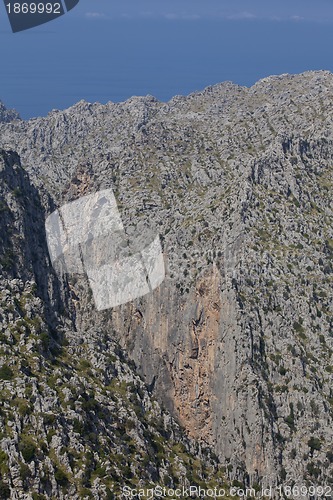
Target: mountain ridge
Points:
(237, 341)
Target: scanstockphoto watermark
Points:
(195, 491)
(274, 492)
(87, 236)
(26, 14)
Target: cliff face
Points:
(237, 341)
(76, 419)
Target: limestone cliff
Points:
(237, 341)
(76, 419)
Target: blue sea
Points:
(56, 65)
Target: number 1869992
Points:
(33, 8)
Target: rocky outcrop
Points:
(76, 419)
(7, 115)
(237, 341)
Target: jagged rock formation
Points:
(76, 419)
(237, 341)
(7, 115)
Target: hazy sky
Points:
(319, 10)
(105, 50)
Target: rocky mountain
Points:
(77, 421)
(7, 115)
(236, 343)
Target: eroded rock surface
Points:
(237, 341)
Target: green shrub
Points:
(22, 406)
(6, 373)
(49, 418)
(84, 364)
(313, 470)
(109, 494)
(7, 261)
(290, 421)
(61, 477)
(3, 462)
(45, 339)
(17, 192)
(314, 443)
(28, 449)
(298, 327)
(100, 471)
(50, 434)
(90, 405)
(4, 490)
(24, 471)
(38, 496)
(282, 370)
(78, 426)
(84, 492)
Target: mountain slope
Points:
(237, 341)
(76, 419)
